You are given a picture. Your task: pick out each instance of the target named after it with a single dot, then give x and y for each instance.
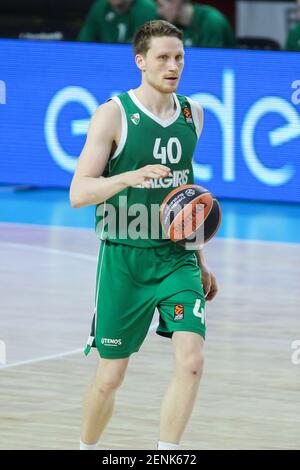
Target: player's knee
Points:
(192, 364)
(110, 378)
(109, 383)
(110, 375)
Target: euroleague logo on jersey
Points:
(187, 115)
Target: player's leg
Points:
(122, 318)
(180, 396)
(182, 318)
(99, 398)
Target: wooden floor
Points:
(250, 392)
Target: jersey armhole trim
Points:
(195, 115)
(124, 127)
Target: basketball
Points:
(190, 214)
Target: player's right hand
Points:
(143, 175)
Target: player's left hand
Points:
(209, 283)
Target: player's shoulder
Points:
(107, 118)
(108, 109)
(111, 112)
(197, 111)
(195, 105)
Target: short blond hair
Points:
(151, 29)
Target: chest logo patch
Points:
(135, 118)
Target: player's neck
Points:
(160, 104)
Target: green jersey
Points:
(132, 216)
(293, 40)
(104, 24)
(209, 28)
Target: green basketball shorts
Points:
(130, 283)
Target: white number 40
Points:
(162, 153)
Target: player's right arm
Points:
(88, 186)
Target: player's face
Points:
(163, 63)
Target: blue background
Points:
(34, 72)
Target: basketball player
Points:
(140, 145)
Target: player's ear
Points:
(140, 62)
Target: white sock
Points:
(167, 446)
(84, 446)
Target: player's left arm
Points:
(209, 280)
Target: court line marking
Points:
(53, 356)
(47, 226)
(58, 252)
(41, 359)
(71, 254)
(54, 251)
(252, 240)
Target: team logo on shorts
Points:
(111, 342)
(135, 118)
(187, 115)
(178, 312)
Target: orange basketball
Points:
(190, 214)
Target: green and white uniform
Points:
(104, 24)
(139, 269)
